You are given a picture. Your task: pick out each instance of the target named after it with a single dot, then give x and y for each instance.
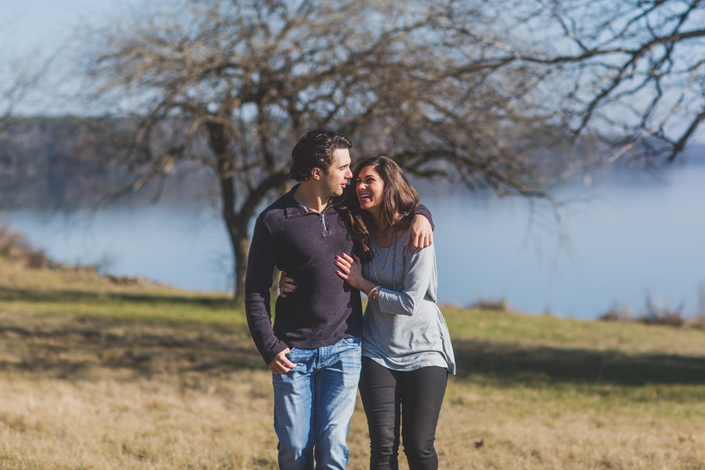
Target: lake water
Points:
(624, 236)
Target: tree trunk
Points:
(236, 222)
(238, 233)
(241, 248)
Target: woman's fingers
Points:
(342, 275)
(343, 264)
(348, 267)
(346, 262)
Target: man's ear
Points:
(316, 174)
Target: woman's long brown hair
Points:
(399, 199)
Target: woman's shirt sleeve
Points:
(419, 269)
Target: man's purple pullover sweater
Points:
(324, 309)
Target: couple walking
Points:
(334, 243)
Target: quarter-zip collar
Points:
(294, 209)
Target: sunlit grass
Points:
(85, 293)
(95, 375)
(549, 330)
(175, 311)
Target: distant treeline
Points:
(68, 160)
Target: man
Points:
(314, 347)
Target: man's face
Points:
(335, 179)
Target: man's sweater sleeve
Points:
(423, 210)
(260, 268)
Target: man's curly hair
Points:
(315, 150)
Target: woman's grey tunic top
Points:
(405, 330)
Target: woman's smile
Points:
(370, 188)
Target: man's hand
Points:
(286, 285)
(281, 364)
(420, 234)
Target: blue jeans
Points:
(313, 404)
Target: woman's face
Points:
(369, 188)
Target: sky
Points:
(32, 24)
(34, 30)
(27, 25)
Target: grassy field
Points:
(95, 375)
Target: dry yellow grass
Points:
(99, 376)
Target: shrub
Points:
(661, 314)
(15, 247)
(500, 305)
(616, 313)
(697, 323)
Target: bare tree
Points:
(232, 85)
(631, 72)
(17, 83)
(19, 78)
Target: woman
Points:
(406, 347)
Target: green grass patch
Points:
(169, 307)
(138, 365)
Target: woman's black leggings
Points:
(408, 400)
